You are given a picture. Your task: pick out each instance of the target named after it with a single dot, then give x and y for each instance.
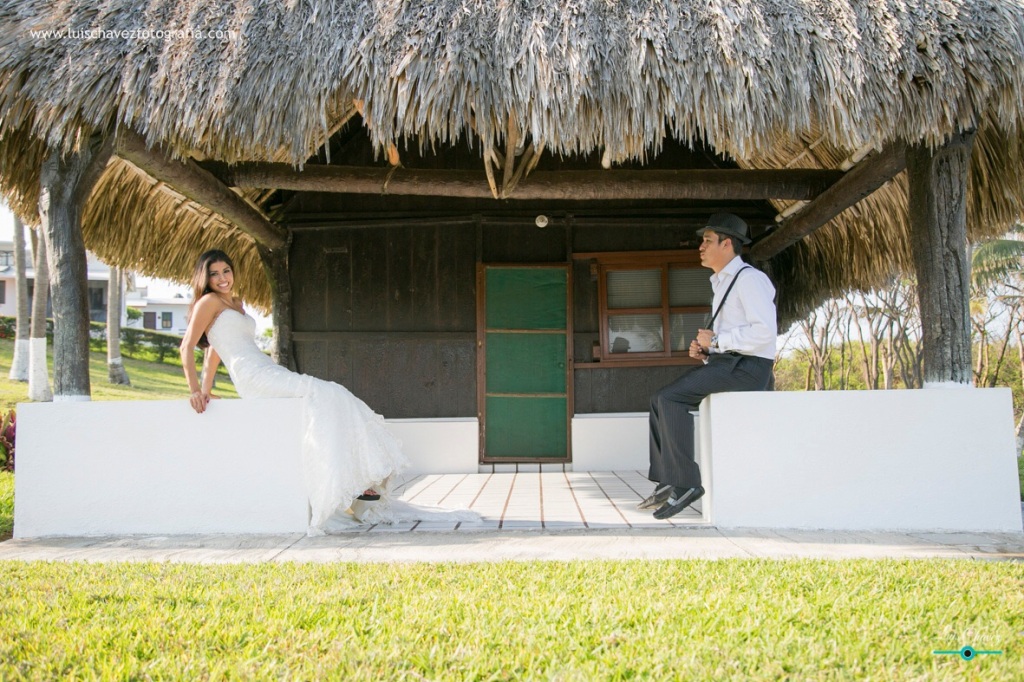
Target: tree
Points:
(116, 372)
(19, 364)
(997, 287)
(38, 373)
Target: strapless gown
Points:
(346, 446)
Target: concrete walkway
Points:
(528, 516)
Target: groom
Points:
(738, 352)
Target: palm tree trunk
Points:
(116, 373)
(19, 364)
(38, 374)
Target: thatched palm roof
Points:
(770, 83)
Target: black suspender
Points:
(711, 324)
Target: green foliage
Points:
(134, 314)
(581, 620)
(131, 341)
(995, 260)
(1020, 474)
(98, 337)
(162, 344)
(8, 433)
(6, 505)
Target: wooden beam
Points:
(732, 184)
(857, 183)
(201, 187)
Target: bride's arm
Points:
(210, 365)
(202, 318)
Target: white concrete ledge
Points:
(157, 467)
(439, 446)
(862, 460)
(610, 442)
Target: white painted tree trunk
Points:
(38, 374)
(116, 373)
(19, 364)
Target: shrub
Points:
(131, 341)
(98, 337)
(163, 344)
(7, 434)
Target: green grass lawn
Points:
(150, 380)
(588, 620)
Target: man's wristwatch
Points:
(714, 343)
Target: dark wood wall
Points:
(390, 312)
(384, 287)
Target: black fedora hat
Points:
(727, 225)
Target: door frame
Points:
(481, 361)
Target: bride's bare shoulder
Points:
(209, 303)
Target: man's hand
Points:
(704, 337)
(696, 351)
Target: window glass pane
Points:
(689, 286)
(684, 329)
(634, 288)
(635, 334)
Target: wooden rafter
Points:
(858, 182)
(200, 186)
(732, 184)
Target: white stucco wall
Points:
(862, 460)
(870, 460)
(610, 442)
(157, 467)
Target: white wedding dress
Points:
(346, 447)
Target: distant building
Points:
(98, 276)
(159, 314)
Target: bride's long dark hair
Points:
(201, 281)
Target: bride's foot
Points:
(369, 495)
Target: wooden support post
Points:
(938, 238)
(65, 183)
(275, 265)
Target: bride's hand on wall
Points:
(198, 400)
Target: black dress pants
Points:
(672, 449)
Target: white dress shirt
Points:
(746, 323)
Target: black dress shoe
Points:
(657, 498)
(680, 499)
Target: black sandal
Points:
(369, 496)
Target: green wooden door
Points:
(523, 362)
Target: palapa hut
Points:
(480, 208)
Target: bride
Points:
(349, 458)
